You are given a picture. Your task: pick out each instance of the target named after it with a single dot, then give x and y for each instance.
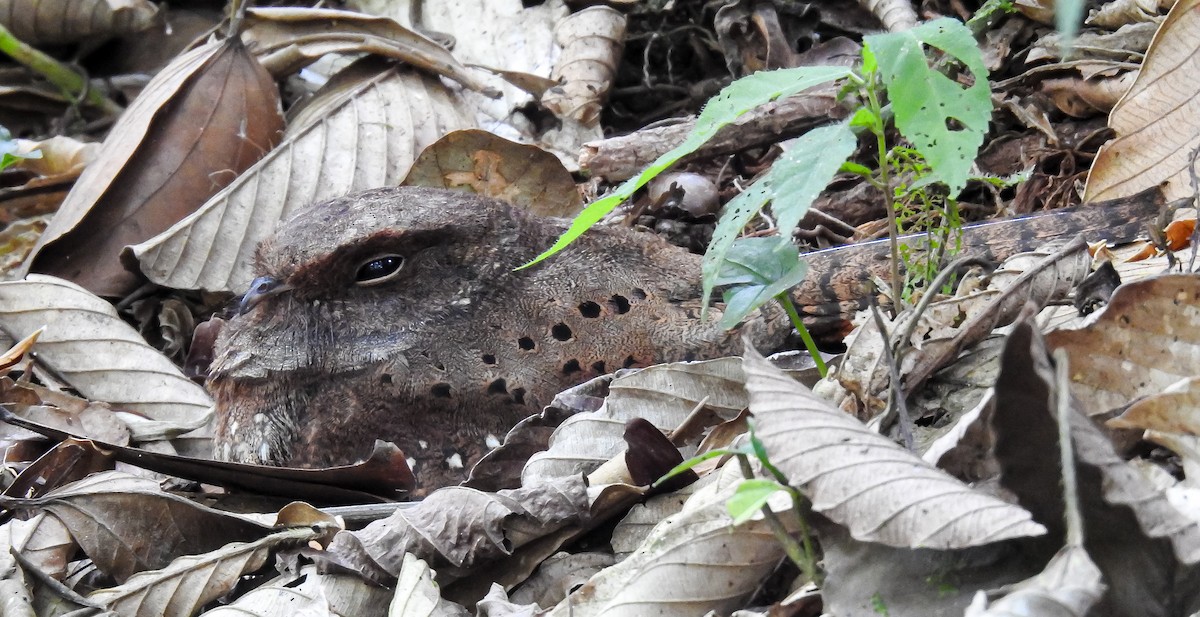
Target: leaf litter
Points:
(587, 533)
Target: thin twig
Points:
(896, 401)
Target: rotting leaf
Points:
(591, 41)
(458, 528)
(308, 592)
(128, 524)
(100, 355)
(1158, 120)
(287, 39)
(203, 119)
(1069, 586)
(189, 582)
(1146, 548)
(483, 163)
(50, 22)
(692, 562)
(366, 134)
(1147, 338)
(663, 394)
(865, 482)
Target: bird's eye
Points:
(378, 269)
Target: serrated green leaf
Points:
(757, 270)
(793, 182)
(750, 497)
(926, 102)
(730, 103)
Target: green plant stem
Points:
(809, 343)
(803, 557)
(889, 196)
(72, 84)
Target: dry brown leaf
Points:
(1146, 548)
(55, 22)
(865, 482)
(188, 583)
(128, 524)
(559, 574)
(486, 164)
(1158, 121)
(99, 354)
(417, 595)
(948, 327)
(88, 419)
(210, 114)
(1146, 339)
(308, 593)
(365, 136)
(459, 528)
(42, 540)
(1069, 586)
(591, 41)
(895, 15)
(287, 39)
(1120, 12)
(664, 395)
(690, 563)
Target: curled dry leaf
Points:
(287, 39)
(1069, 586)
(365, 135)
(948, 327)
(88, 419)
(865, 482)
(128, 524)
(591, 42)
(190, 582)
(458, 528)
(1120, 12)
(486, 164)
(692, 562)
(52, 22)
(203, 119)
(309, 593)
(1158, 121)
(100, 355)
(896, 15)
(417, 595)
(1146, 339)
(1146, 548)
(42, 540)
(664, 395)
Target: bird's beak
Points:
(261, 288)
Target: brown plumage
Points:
(453, 347)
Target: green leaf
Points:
(728, 105)
(792, 184)
(927, 103)
(696, 460)
(8, 150)
(750, 497)
(757, 270)
(856, 169)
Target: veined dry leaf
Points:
(366, 136)
(486, 164)
(88, 419)
(127, 524)
(287, 39)
(865, 482)
(690, 563)
(558, 575)
(591, 41)
(664, 395)
(1120, 12)
(309, 593)
(188, 583)
(57, 22)
(1158, 121)
(459, 528)
(1146, 548)
(99, 354)
(1069, 586)
(42, 540)
(207, 116)
(1147, 338)
(417, 595)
